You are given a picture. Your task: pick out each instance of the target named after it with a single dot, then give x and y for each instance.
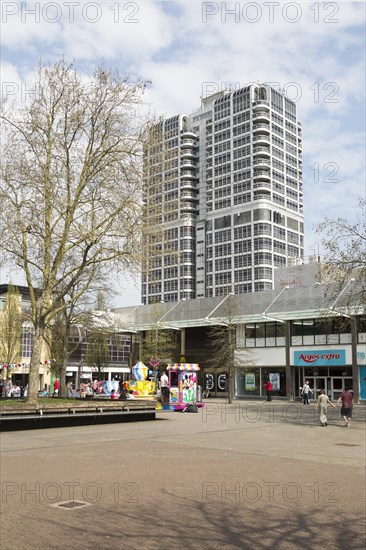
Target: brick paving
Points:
(250, 475)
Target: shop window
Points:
(248, 383)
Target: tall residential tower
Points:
(224, 186)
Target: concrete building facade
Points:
(225, 185)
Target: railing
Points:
(261, 137)
(262, 161)
(261, 150)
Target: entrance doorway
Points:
(338, 384)
(316, 384)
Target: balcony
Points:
(185, 174)
(261, 151)
(187, 153)
(186, 206)
(188, 185)
(188, 163)
(187, 134)
(261, 138)
(257, 115)
(262, 185)
(261, 162)
(188, 196)
(260, 104)
(261, 126)
(261, 196)
(186, 142)
(262, 174)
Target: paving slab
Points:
(232, 476)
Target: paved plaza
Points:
(250, 475)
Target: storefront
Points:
(361, 362)
(251, 382)
(324, 369)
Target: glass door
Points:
(320, 383)
(338, 385)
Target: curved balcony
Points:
(187, 153)
(188, 163)
(260, 196)
(261, 151)
(187, 142)
(260, 104)
(263, 185)
(188, 185)
(261, 162)
(187, 133)
(188, 207)
(261, 126)
(261, 138)
(258, 115)
(188, 196)
(262, 174)
(187, 175)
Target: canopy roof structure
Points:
(289, 302)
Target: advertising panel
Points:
(250, 381)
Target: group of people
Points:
(346, 401)
(10, 390)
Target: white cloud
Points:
(323, 53)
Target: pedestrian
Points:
(130, 395)
(16, 390)
(346, 399)
(1, 386)
(56, 387)
(8, 388)
(305, 393)
(269, 389)
(322, 403)
(164, 387)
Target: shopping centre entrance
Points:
(333, 385)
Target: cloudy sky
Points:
(313, 51)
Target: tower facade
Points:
(223, 195)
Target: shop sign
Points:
(250, 381)
(320, 358)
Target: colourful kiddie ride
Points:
(140, 386)
(183, 388)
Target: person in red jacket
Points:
(56, 387)
(269, 389)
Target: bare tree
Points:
(70, 187)
(222, 340)
(11, 327)
(345, 260)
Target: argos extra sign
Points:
(320, 358)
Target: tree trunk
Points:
(230, 387)
(38, 344)
(65, 361)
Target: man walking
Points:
(347, 405)
(164, 382)
(305, 393)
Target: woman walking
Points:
(322, 402)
